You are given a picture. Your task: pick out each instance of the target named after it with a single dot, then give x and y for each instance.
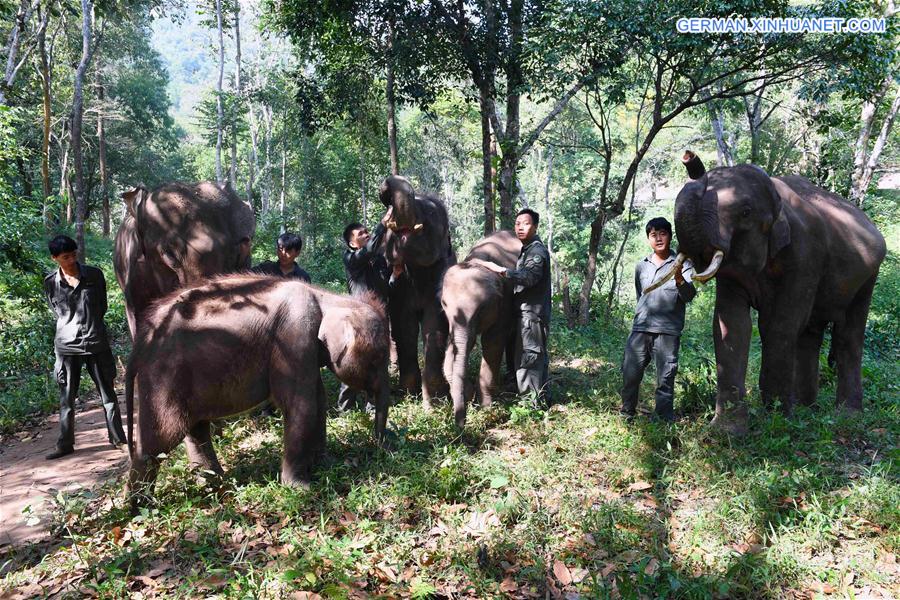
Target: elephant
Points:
(419, 237)
(178, 235)
(803, 257)
(225, 347)
(478, 301)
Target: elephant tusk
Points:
(679, 260)
(711, 270)
(418, 227)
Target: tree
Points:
(87, 49)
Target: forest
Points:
(578, 109)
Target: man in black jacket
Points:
(288, 248)
(367, 271)
(76, 294)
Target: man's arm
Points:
(683, 283)
(638, 290)
(530, 273)
(103, 299)
(48, 294)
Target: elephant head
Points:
(419, 229)
(728, 217)
(178, 235)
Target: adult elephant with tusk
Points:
(418, 236)
(800, 255)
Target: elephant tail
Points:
(129, 407)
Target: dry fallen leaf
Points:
(609, 568)
(579, 574)
(509, 585)
(305, 596)
(639, 486)
(561, 571)
(652, 567)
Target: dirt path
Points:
(28, 480)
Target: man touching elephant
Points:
(531, 298)
(658, 321)
(367, 271)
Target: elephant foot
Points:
(731, 413)
(732, 425)
(427, 405)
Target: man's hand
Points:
(492, 266)
(679, 278)
(387, 215)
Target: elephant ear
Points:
(337, 335)
(780, 233)
(133, 199)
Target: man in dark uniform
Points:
(367, 271)
(531, 278)
(76, 294)
(288, 248)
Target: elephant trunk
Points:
(456, 358)
(398, 193)
(697, 227)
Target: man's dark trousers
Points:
(102, 370)
(640, 348)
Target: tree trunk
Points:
(364, 203)
(725, 156)
(487, 174)
(584, 297)
(548, 215)
(64, 187)
(861, 148)
(269, 185)
(26, 7)
(240, 93)
(283, 188)
(101, 153)
(219, 109)
(391, 105)
(47, 106)
(866, 179)
(77, 115)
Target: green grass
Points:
(524, 501)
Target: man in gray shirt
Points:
(76, 294)
(658, 321)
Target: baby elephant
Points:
(479, 302)
(222, 348)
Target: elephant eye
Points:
(746, 211)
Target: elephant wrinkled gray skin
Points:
(479, 301)
(802, 257)
(178, 235)
(222, 348)
(418, 236)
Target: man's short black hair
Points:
(349, 229)
(535, 218)
(659, 224)
(290, 241)
(60, 244)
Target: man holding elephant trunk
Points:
(658, 321)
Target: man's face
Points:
(286, 256)
(359, 238)
(659, 240)
(525, 228)
(66, 260)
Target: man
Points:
(658, 321)
(288, 247)
(531, 298)
(367, 271)
(76, 294)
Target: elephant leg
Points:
(152, 440)
(492, 347)
(201, 453)
(303, 427)
(434, 342)
(806, 364)
(731, 337)
(405, 333)
(847, 340)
